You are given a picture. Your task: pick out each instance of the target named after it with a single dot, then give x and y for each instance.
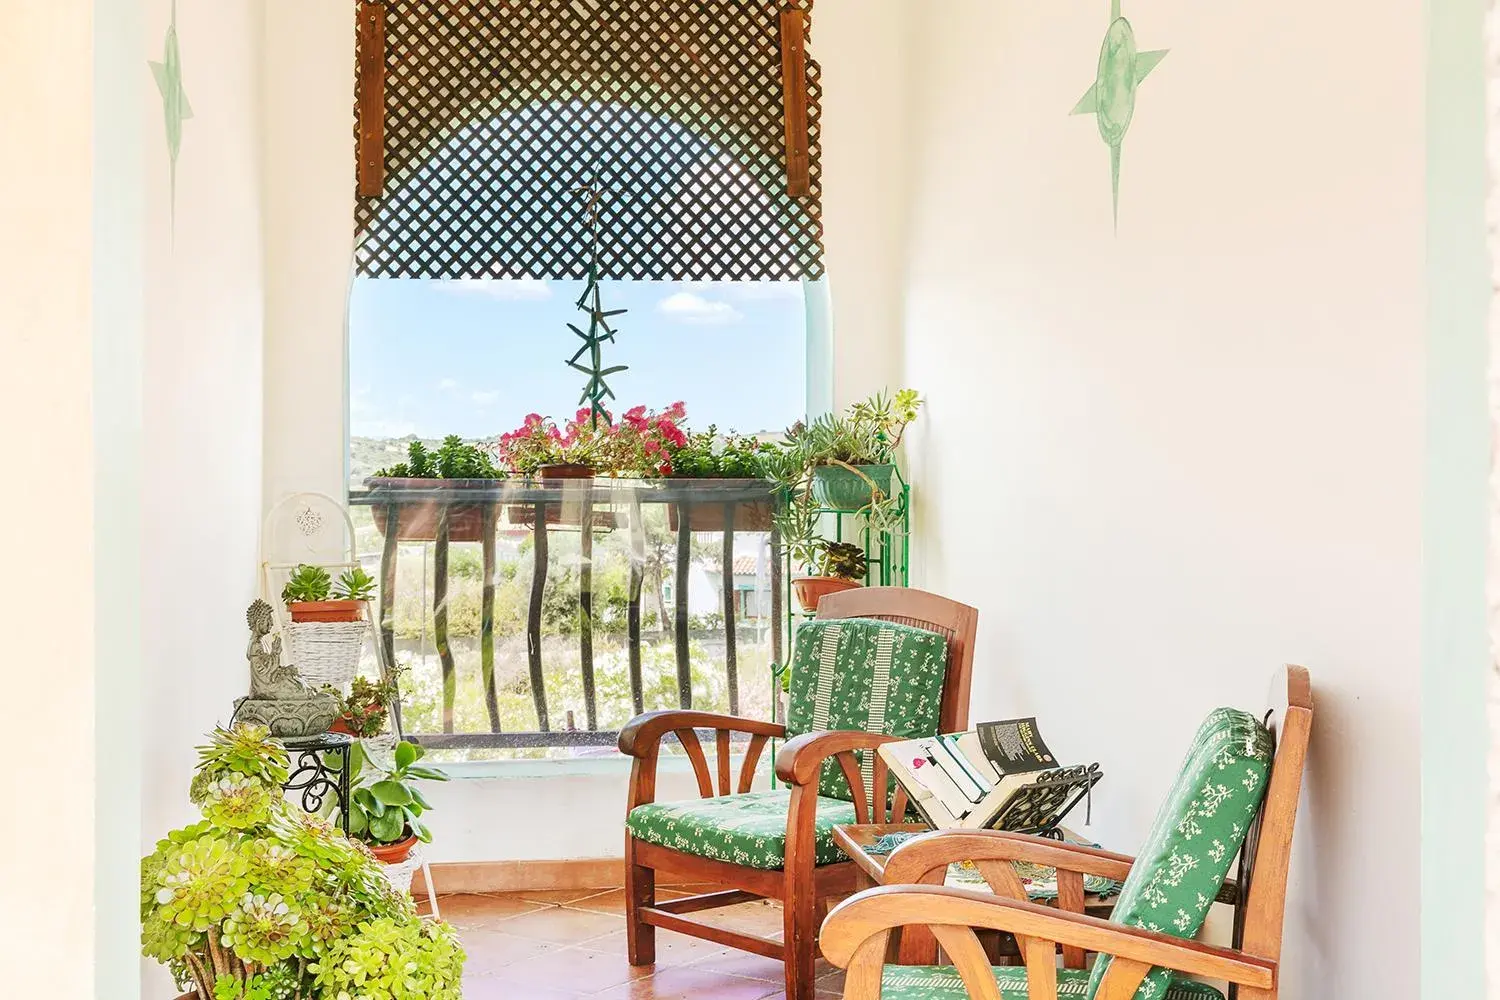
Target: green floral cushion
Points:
(747, 829)
(1196, 836)
(941, 982)
(875, 676)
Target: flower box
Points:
(749, 515)
(417, 520)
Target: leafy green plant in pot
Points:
(454, 464)
(385, 804)
(310, 594)
(841, 566)
(366, 710)
(851, 458)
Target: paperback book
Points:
(999, 775)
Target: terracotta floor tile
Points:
(560, 926)
(501, 988)
(613, 900)
(688, 984)
(557, 896)
(780, 994)
(672, 949)
(490, 951)
(479, 910)
(573, 969)
(743, 963)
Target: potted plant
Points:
(706, 455)
(366, 710)
(385, 804)
(454, 465)
(260, 901)
(841, 566)
(310, 595)
(852, 457)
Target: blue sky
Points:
(474, 357)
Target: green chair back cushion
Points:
(1197, 834)
(747, 829)
(863, 674)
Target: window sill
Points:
(490, 770)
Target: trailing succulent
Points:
(260, 901)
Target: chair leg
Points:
(640, 890)
(800, 923)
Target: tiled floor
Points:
(571, 944)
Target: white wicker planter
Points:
(400, 874)
(326, 652)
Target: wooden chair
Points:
(857, 933)
(800, 884)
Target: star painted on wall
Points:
(174, 100)
(1111, 97)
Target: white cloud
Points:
(448, 384)
(500, 289)
(748, 291)
(685, 307)
(489, 398)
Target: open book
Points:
(999, 775)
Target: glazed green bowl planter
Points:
(838, 488)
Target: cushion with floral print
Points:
(942, 982)
(863, 674)
(1198, 831)
(748, 829)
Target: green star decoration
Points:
(600, 330)
(1111, 97)
(174, 100)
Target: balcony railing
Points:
(444, 514)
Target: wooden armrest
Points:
(875, 912)
(801, 758)
(641, 734)
(922, 855)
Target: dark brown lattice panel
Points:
(498, 111)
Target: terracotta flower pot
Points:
(341, 725)
(326, 611)
(752, 516)
(566, 514)
(812, 589)
(417, 521)
(394, 854)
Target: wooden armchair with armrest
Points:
(789, 855)
(1167, 890)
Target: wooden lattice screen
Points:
(483, 120)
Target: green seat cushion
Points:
(862, 674)
(747, 829)
(1199, 830)
(941, 982)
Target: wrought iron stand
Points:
(313, 780)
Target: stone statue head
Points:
(261, 618)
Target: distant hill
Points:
(367, 454)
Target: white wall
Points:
(47, 933)
(203, 397)
(1164, 461)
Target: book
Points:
(1000, 775)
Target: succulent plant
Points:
(307, 584)
(386, 804)
(843, 560)
(247, 903)
(411, 960)
(354, 585)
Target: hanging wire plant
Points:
(600, 330)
